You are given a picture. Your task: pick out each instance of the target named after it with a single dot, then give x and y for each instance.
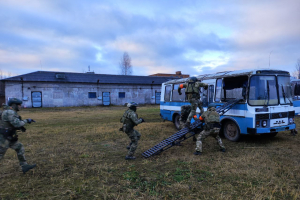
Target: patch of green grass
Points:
(80, 154)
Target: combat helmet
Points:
(211, 105)
(132, 104)
(193, 79)
(12, 101)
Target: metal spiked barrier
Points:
(185, 133)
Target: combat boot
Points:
(129, 158)
(197, 153)
(26, 168)
(223, 150)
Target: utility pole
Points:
(269, 57)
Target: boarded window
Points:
(121, 94)
(92, 94)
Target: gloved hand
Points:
(29, 121)
(201, 118)
(179, 93)
(205, 87)
(142, 120)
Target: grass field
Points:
(80, 155)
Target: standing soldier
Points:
(211, 128)
(10, 123)
(129, 120)
(193, 96)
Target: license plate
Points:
(279, 122)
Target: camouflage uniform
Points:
(211, 128)
(129, 120)
(9, 124)
(193, 96)
(11, 121)
(184, 113)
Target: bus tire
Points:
(231, 131)
(176, 121)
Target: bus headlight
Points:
(264, 123)
(291, 120)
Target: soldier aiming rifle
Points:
(9, 124)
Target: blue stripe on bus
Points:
(242, 122)
(278, 129)
(237, 106)
(296, 103)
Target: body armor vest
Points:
(128, 124)
(212, 116)
(191, 88)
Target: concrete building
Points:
(59, 89)
(178, 74)
(2, 93)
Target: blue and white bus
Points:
(267, 106)
(296, 95)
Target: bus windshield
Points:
(263, 91)
(285, 93)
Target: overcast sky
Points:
(192, 36)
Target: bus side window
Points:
(203, 95)
(168, 89)
(211, 93)
(218, 90)
(176, 96)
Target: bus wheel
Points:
(231, 131)
(177, 122)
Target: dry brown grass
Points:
(80, 155)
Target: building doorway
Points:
(106, 98)
(36, 98)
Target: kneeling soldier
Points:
(129, 120)
(10, 123)
(211, 128)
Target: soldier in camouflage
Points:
(9, 124)
(129, 120)
(211, 128)
(193, 96)
(184, 113)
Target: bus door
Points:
(207, 96)
(165, 105)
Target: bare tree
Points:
(296, 73)
(2, 75)
(125, 64)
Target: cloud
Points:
(160, 37)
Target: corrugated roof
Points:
(228, 74)
(70, 77)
